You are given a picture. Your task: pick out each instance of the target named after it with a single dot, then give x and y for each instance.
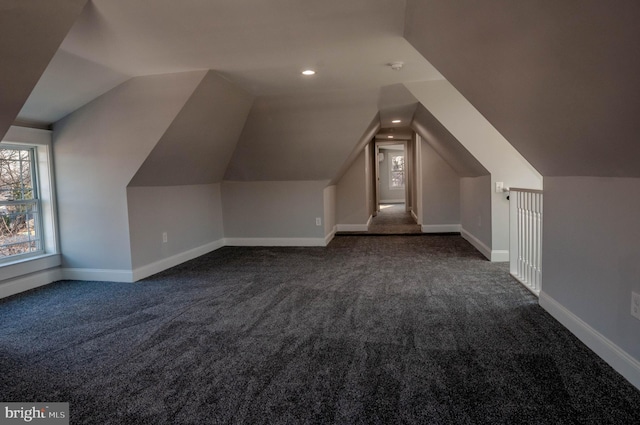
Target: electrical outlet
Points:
(318, 221)
(164, 237)
(635, 305)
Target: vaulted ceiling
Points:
(557, 79)
(261, 46)
(31, 34)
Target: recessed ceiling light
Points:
(390, 137)
(396, 121)
(308, 72)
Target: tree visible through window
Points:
(19, 204)
(397, 172)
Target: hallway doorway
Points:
(391, 173)
(394, 219)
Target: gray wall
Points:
(591, 260)
(190, 215)
(351, 193)
(475, 207)
(386, 193)
(97, 151)
(440, 189)
(302, 137)
(278, 209)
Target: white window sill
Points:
(29, 265)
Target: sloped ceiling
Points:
(301, 137)
(68, 83)
(446, 145)
(396, 103)
(262, 46)
(558, 79)
(310, 125)
(198, 144)
(366, 137)
(299, 128)
(31, 33)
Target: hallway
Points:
(392, 219)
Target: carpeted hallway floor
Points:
(392, 219)
(370, 330)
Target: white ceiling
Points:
(261, 45)
(401, 132)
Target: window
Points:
(20, 218)
(28, 233)
(396, 172)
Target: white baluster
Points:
(525, 212)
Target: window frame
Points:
(15, 268)
(35, 200)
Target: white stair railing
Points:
(525, 245)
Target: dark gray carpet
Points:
(418, 330)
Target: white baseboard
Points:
(97, 275)
(499, 255)
(392, 201)
(275, 242)
(30, 281)
(615, 356)
(477, 243)
(34, 280)
(440, 228)
(496, 255)
(110, 275)
(352, 227)
(330, 236)
(174, 260)
(415, 217)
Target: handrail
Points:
(519, 189)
